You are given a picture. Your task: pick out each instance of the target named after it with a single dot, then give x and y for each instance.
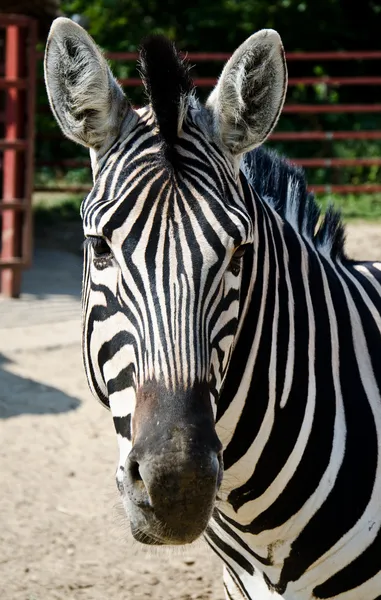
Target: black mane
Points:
(283, 185)
(168, 85)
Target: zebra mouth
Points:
(178, 516)
(174, 509)
(147, 529)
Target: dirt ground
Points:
(62, 533)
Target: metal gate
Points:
(318, 134)
(18, 38)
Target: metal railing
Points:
(18, 85)
(289, 108)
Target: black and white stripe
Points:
(301, 449)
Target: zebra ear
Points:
(249, 96)
(86, 100)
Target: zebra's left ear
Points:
(249, 96)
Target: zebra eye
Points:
(102, 253)
(240, 251)
(99, 246)
(235, 263)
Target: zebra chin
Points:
(174, 470)
(151, 531)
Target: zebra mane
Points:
(168, 85)
(283, 186)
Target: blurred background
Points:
(333, 101)
(62, 535)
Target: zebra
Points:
(235, 343)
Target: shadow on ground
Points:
(21, 395)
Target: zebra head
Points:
(167, 224)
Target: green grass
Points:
(52, 208)
(354, 206)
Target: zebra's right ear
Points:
(86, 100)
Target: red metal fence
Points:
(290, 108)
(18, 38)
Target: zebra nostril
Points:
(134, 471)
(136, 487)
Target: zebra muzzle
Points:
(174, 469)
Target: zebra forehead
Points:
(178, 207)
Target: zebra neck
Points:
(274, 311)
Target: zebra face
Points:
(167, 226)
(164, 260)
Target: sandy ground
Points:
(62, 533)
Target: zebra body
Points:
(236, 345)
(307, 503)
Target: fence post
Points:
(20, 82)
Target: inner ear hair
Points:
(88, 103)
(249, 96)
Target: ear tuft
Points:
(249, 96)
(87, 102)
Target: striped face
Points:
(163, 266)
(167, 226)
